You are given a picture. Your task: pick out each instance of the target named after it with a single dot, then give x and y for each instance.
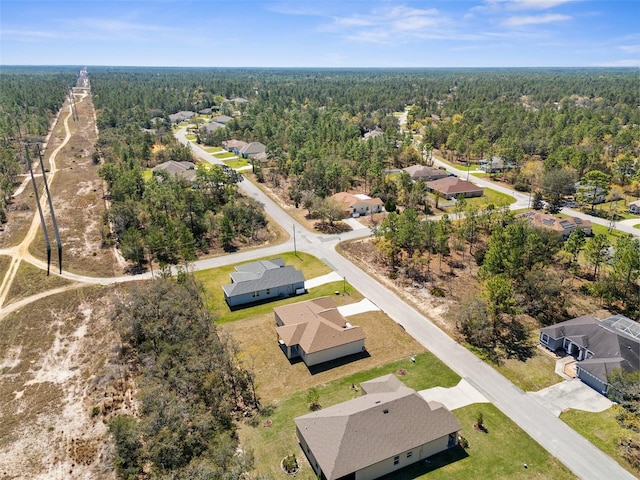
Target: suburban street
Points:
(584, 459)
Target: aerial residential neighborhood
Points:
(338, 241)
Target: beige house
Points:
(186, 170)
(563, 226)
(389, 427)
(356, 205)
(634, 207)
(316, 331)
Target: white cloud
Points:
(630, 48)
(527, 4)
(32, 34)
(519, 21)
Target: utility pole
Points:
(295, 252)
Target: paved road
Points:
(584, 459)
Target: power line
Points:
(53, 215)
(42, 223)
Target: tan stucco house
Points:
(316, 331)
(452, 187)
(564, 226)
(357, 205)
(389, 427)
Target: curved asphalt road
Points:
(580, 456)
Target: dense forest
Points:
(30, 97)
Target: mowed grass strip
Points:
(236, 163)
(215, 278)
(271, 444)
(601, 429)
(498, 454)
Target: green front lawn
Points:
(213, 149)
(498, 454)
(214, 278)
(490, 197)
(222, 155)
(237, 163)
(191, 137)
(272, 443)
(602, 430)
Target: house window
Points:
(268, 291)
(409, 454)
(545, 338)
(396, 460)
(256, 294)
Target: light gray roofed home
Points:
(211, 127)
(238, 100)
(599, 346)
(253, 282)
(234, 145)
(181, 116)
(389, 427)
(373, 134)
(222, 119)
(184, 170)
(252, 149)
(205, 111)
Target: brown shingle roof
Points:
(378, 425)
(315, 325)
(453, 186)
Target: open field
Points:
(602, 430)
(30, 280)
(77, 194)
(52, 358)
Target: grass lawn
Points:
(213, 149)
(611, 235)
(498, 454)
(534, 374)
(191, 137)
(237, 163)
(490, 197)
(602, 430)
(271, 444)
(223, 155)
(214, 278)
(479, 174)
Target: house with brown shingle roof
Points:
(316, 331)
(564, 226)
(452, 187)
(356, 205)
(426, 173)
(389, 427)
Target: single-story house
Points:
(359, 204)
(494, 164)
(599, 346)
(253, 282)
(634, 207)
(252, 150)
(238, 100)
(426, 173)
(234, 145)
(387, 428)
(186, 170)
(211, 127)
(316, 331)
(563, 226)
(223, 119)
(451, 187)
(205, 111)
(373, 134)
(181, 116)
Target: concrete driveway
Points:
(459, 396)
(571, 394)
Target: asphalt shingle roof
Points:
(257, 276)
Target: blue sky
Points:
(321, 33)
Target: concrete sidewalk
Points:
(317, 281)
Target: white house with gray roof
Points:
(265, 279)
(389, 427)
(599, 346)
